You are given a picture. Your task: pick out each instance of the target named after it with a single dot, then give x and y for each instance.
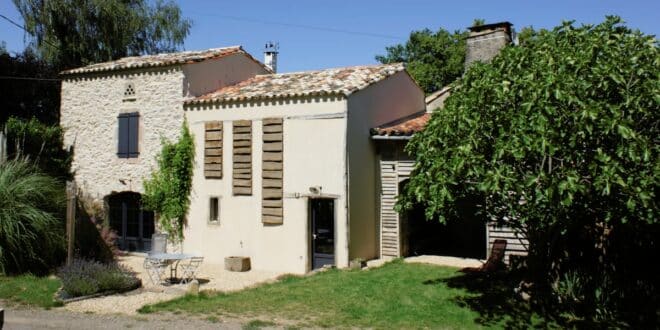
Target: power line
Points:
(24, 29)
(12, 22)
(304, 26)
(28, 78)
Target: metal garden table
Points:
(172, 259)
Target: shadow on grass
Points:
(492, 295)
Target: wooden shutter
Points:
(213, 150)
(133, 129)
(242, 158)
(272, 171)
(122, 136)
(128, 134)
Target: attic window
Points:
(129, 91)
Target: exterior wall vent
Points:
(129, 91)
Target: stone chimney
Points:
(270, 55)
(486, 41)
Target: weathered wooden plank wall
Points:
(395, 169)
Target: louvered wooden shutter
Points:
(242, 160)
(213, 150)
(272, 171)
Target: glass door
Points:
(322, 213)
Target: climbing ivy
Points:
(167, 192)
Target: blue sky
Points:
(321, 34)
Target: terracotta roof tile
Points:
(405, 126)
(166, 59)
(340, 81)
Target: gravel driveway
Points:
(212, 277)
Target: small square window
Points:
(214, 209)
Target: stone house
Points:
(115, 115)
(285, 170)
(294, 170)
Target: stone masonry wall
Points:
(89, 109)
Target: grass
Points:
(29, 290)
(397, 295)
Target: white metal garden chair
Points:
(189, 270)
(156, 269)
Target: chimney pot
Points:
(270, 55)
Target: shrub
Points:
(31, 225)
(41, 143)
(94, 238)
(85, 277)
(167, 192)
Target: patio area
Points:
(211, 277)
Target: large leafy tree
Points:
(71, 33)
(434, 59)
(561, 137)
(33, 91)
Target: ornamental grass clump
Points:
(87, 277)
(31, 219)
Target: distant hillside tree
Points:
(434, 59)
(72, 33)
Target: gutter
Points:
(391, 137)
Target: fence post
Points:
(3, 145)
(71, 193)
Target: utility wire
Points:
(24, 29)
(28, 78)
(303, 26)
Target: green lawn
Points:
(29, 290)
(397, 295)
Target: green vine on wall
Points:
(167, 192)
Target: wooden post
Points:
(3, 145)
(71, 193)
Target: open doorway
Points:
(322, 226)
(463, 236)
(134, 226)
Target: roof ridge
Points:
(340, 81)
(159, 59)
(335, 68)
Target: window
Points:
(214, 209)
(128, 135)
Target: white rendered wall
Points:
(314, 155)
(210, 75)
(395, 97)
